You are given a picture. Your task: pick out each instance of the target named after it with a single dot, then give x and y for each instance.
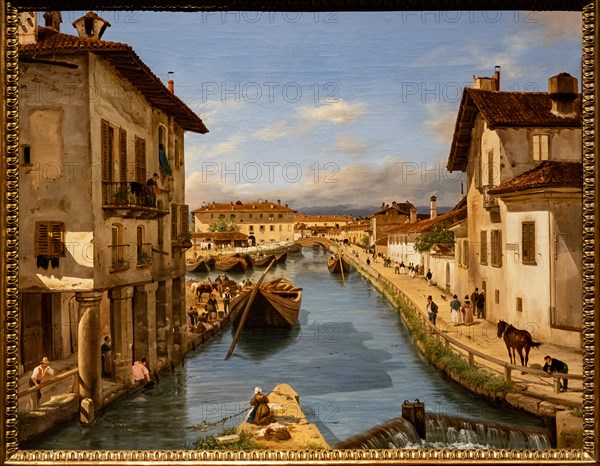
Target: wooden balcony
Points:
(131, 199)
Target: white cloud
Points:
(362, 184)
(274, 131)
(348, 144)
(441, 122)
(337, 113)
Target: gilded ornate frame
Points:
(9, 237)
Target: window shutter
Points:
(483, 248)
(140, 160)
(528, 237)
(57, 230)
(185, 215)
(42, 239)
(173, 222)
(497, 248)
(122, 155)
(490, 168)
(105, 157)
(50, 238)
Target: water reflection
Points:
(349, 358)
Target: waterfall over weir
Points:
(447, 432)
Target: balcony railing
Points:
(144, 254)
(489, 201)
(119, 257)
(134, 199)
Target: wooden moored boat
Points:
(276, 304)
(280, 259)
(231, 264)
(337, 264)
(263, 261)
(200, 265)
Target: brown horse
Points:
(516, 339)
(199, 288)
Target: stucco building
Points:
(101, 253)
(521, 153)
(262, 221)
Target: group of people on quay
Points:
(220, 293)
(470, 308)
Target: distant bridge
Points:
(325, 243)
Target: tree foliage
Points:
(223, 225)
(439, 234)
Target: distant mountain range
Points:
(356, 211)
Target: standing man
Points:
(475, 297)
(432, 310)
(428, 276)
(481, 305)
(556, 365)
(38, 374)
(226, 299)
(152, 184)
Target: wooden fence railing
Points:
(33, 390)
(503, 367)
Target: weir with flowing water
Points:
(349, 357)
(450, 433)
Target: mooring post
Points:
(415, 414)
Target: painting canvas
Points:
(382, 207)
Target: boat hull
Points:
(232, 266)
(263, 261)
(269, 309)
(337, 266)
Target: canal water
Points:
(349, 358)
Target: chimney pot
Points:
(171, 85)
(90, 26)
(433, 207)
(563, 91)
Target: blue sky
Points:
(322, 109)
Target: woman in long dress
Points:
(455, 310)
(467, 311)
(261, 414)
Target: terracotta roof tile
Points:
(527, 109)
(126, 62)
(259, 207)
(425, 225)
(502, 109)
(547, 174)
(443, 249)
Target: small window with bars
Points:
(519, 304)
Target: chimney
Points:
(28, 26)
(413, 214)
(171, 85)
(497, 77)
(278, 201)
(486, 83)
(563, 90)
(433, 204)
(462, 191)
(52, 20)
(382, 205)
(90, 26)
